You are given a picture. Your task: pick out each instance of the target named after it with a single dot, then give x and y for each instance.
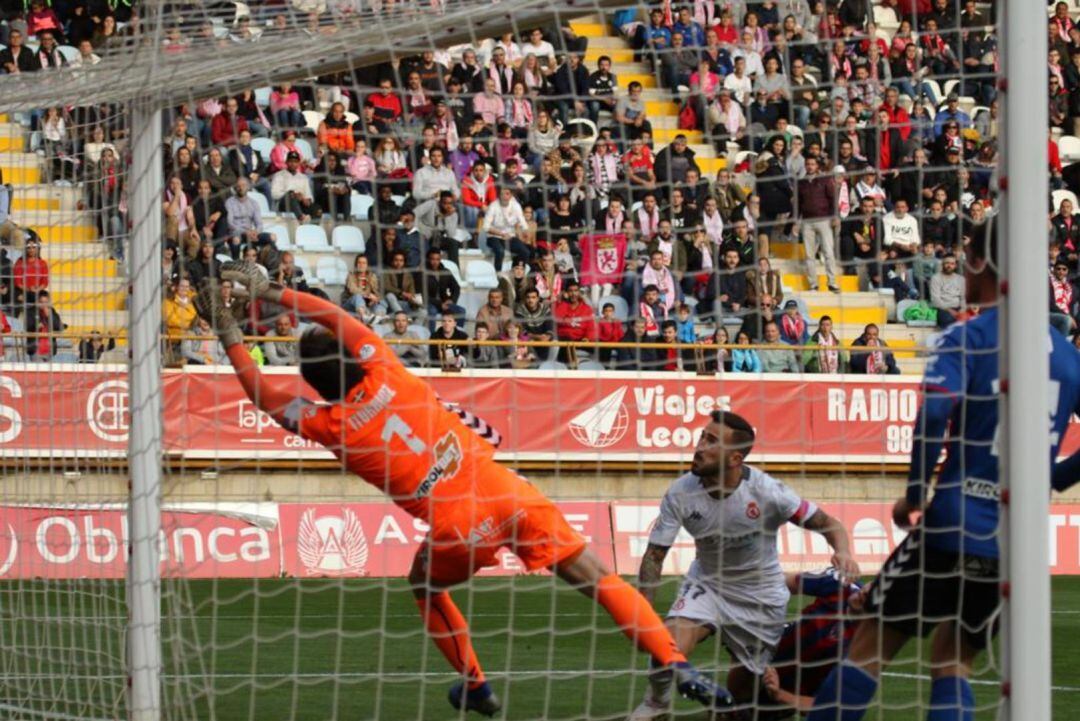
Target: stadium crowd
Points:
(837, 136)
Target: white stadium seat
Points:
(348, 239)
(281, 235)
(1069, 148)
(359, 206)
(312, 238)
(331, 271)
(481, 274)
(263, 146)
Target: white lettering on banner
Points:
(93, 535)
(249, 417)
(13, 551)
(107, 411)
(390, 530)
(215, 550)
(686, 407)
(58, 540)
(72, 544)
(9, 413)
(1057, 521)
(579, 522)
(654, 404)
(895, 405)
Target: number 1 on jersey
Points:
(395, 426)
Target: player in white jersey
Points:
(735, 586)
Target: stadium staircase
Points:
(86, 285)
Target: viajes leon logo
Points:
(331, 545)
(604, 424)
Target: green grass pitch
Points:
(321, 649)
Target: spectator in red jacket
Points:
(477, 193)
(898, 117)
(31, 273)
(387, 105)
(574, 319)
(226, 126)
(609, 330)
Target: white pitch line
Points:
(973, 682)
(406, 675)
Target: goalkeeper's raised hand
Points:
(213, 311)
(248, 275)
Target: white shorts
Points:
(749, 631)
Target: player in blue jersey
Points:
(944, 576)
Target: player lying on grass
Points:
(735, 586)
(811, 645)
(387, 426)
(944, 575)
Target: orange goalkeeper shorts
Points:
(503, 510)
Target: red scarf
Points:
(877, 358)
(793, 327)
(1063, 295)
(44, 343)
(553, 292)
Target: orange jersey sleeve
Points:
(393, 432)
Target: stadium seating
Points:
(481, 274)
(312, 238)
(348, 239)
(359, 205)
(622, 310)
(454, 270)
(331, 271)
(263, 203)
(281, 232)
(263, 146)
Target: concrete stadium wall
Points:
(331, 486)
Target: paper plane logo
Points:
(604, 424)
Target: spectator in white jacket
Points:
(504, 223)
(434, 178)
(900, 231)
(291, 190)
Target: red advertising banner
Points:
(873, 537)
(56, 543)
(379, 539)
(541, 415)
(267, 540)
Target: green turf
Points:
(284, 649)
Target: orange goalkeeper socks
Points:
(637, 619)
(450, 632)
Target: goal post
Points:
(146, 455)
(1027, 403)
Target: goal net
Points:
(588, 226)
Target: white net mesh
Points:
(642, 214)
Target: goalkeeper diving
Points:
(389, 427)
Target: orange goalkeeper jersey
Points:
(394, 432)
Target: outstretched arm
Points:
(279, 403)
(652, 563)
(350, 331)
(836, 536)
(283, 406)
